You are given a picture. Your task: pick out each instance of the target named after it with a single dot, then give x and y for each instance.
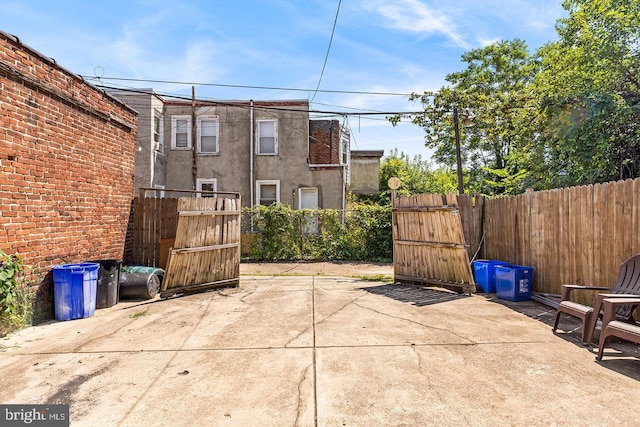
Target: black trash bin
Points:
(108, 282)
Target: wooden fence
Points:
(155, 221)
(206, 251)
(471, 216)
(429, 243)
(576, 235)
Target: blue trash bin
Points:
(484, 274)
(513, 282)
(74, 290)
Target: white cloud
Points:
(488, 42)
(416, 17)
(198, 63)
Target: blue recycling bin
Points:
(484, 274)
(74, 290)
(513, 282)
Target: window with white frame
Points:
(180, 132)
(267, 137)
(268, 192)
(345, 139)
(208, 135)
(206, 184)
(158, 134)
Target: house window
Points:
(206, 184)
(344, 146)
(158, 134)
(267, 137)
(268, 192)
(180, 132)
(208, 135)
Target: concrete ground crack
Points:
(78, 348)
(302, 380)
(353, 301)
(161, 370)
(415, 322)
(297, 336)
(248, 294)
(426, 376)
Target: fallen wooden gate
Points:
(206, 252)
(428, 243)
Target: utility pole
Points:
(456, 127)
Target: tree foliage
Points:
(567, 114)
(492, 95)
(589, 90)
(416, 176)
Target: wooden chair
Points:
(627, 285)
(612, 327)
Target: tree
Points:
(567, 115)
(494, 90)
(589, 91)
(416, 176)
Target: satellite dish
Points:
(394, 183)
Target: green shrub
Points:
(277, 233)
(362, 233)
(16, 295)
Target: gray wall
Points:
(150, 163)
(231, 166)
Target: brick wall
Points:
(67, 163)
(324, 142)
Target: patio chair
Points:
(612, 327)
(627, 285)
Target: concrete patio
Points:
(319, 350)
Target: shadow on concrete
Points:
(417, 296)
(619, 356)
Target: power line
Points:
(265, 108)
(347, 107)
(285, 89)
(326, 57)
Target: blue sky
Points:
(382, 46)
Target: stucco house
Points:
(269, 151)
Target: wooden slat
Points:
(599, 253)
(203, 286)
(204, 248)
(418, 243)
(209, 213)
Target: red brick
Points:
(55, 165)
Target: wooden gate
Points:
(206, 252)
(428, 243)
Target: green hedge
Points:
(281, 233)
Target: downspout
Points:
(344, 190)
(344, 187)
(344, 175)
(194, 137)
(251, 142)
